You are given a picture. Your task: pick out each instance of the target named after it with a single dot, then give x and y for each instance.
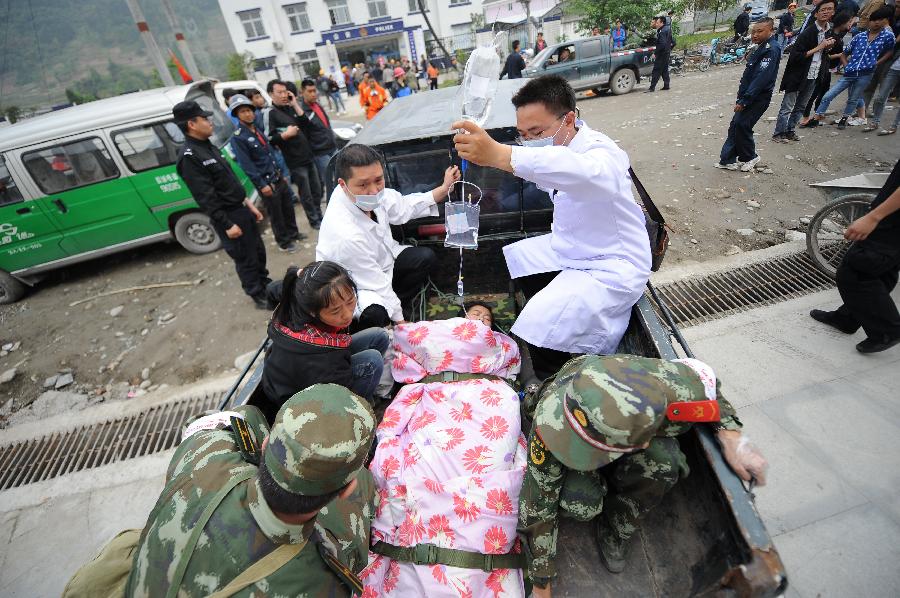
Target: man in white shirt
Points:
(582, 279)
(356, 233)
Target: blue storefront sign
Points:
(363, 32)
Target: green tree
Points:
(238, 65)
(636, 14)
(12, 113)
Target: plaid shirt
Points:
(864, 54)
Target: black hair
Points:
(515, 44)
(288, 503)
(271, 84)
(252, 92)
(354, 155)
(840, 19)
(466, 307)
(552, 91)
(291, 87)
(306, 292)
(820, 4)
(307, 82)
(229, 93)
(885, 12)
(766, 21)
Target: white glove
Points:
(743, 456)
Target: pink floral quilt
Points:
(449, 462)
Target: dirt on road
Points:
(177, 335)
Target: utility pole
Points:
(150, 41)
(180, 40)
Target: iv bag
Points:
(480, 82)
(461, 221)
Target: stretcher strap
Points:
(429, 554)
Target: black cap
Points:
(185, 111)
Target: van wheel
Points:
(11, 290)
(195, 232)
(622, 82)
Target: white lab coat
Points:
(598, 242)
(365, 247)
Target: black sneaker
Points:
(289, 247)
(832, 319)
(666, 88)
(871, 345)
(812, 124)
(780, 138)
(842, 124)
(791, 136)
(651, 90)
(300, 237)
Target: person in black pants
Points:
(661, 53)
(254, 153)
(869, 272)
(753, 98)
(219, 193)
(514, 64)
(840, 25)
(545, 362)
(290, 130)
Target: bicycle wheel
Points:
(825, 241)
(703, 66)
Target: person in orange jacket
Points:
(372, 96)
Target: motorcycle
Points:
(726, 52)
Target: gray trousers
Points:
(792, 106)
(890, 80)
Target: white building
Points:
(289, 39)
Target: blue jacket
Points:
(256, 157)
(619, 36)
(759, 76)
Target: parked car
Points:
(344, 130)
(99, 178)
(592, 63)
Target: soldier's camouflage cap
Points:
(602, 407)
(319, 440)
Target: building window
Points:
(458, 2)
(463, 38)
(309, 62)
(414, 5)
(297, 17)
(252, 22)
(377, 8)
(264, 64)
(338, 12)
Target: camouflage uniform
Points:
(616, 401)
(317, 444)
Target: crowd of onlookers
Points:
(859, 43)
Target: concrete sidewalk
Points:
(827, 417)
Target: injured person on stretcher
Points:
(449, 465)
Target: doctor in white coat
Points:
(356, 233)
(582, 279)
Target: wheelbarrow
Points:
(846, 199)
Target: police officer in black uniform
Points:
(221, 196)
(753, 97)
(255, 155)
(661, 52)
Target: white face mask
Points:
(366, 203)
(543, 141)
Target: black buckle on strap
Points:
(424, 554)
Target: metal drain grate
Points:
(151, 431)
(717, 295)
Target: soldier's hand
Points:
(743, 456)
(266, 191)
(234, 232)
(541, 592)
